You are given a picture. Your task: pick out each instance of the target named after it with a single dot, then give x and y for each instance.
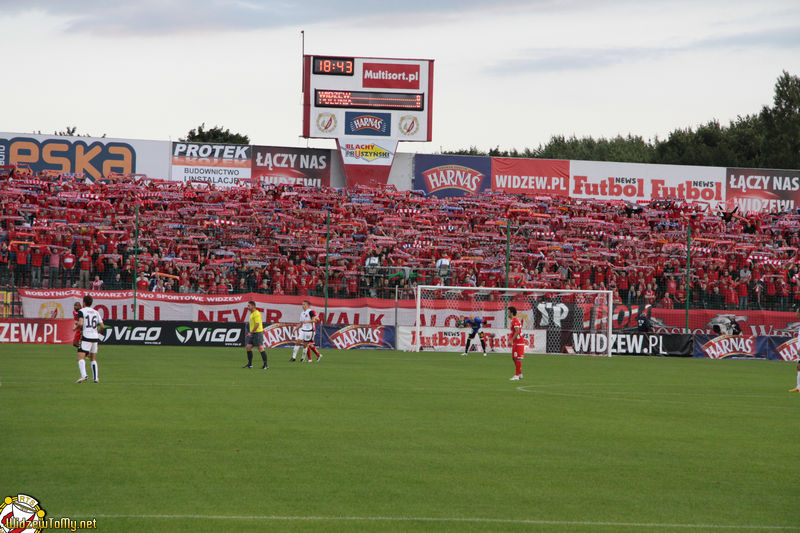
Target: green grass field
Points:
(181, 439)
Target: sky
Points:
(509, 73)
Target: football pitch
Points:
(184, 439)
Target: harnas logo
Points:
(368, 124)
(453, 177)
(357, 337)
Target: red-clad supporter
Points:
(666, 302)
(85, 265)
(731, 296)
(142, 283)
(741, 292)
(771, 291)
(97, 284)
(37, 265)
(680, 294)
(649, 295)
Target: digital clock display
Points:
(337, 66)
(369, 100)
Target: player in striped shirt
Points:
(91, 324)
(517, 343)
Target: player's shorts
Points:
(88, 346)
(518, 351)
(472, 335)
(256, 339)
(306, 335)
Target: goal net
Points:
(553, 321)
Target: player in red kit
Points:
(517, 343)
(76, 314)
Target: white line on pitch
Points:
(441, 519)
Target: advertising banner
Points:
(783, 348)
(374, 337)
(708, 321)
(729, 346)
(36, 331)
(172, 333)
(631, 344)
(448, 175)
(451, 339)
(757, 189)
(91, 156)
(118, 305)
(642, 182)
(276, 165)
(223, 165)
(515, 175)
(367, 161)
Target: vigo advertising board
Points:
(91, 156)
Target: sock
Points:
(314, 349)
(469, 343)
(798, 379)
(483, 345)
(264, 357)
(296, 349)
(250, 357)
(94, 370)
(518, 365)
(82, 367)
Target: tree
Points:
(215, 135)
(781, 125)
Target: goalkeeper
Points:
(476, 323)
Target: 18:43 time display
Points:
(338, 66)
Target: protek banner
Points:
(223, 165)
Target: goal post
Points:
(554, 321)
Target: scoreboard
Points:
(347, 96)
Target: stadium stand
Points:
(58, 231)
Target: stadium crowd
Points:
(59, 231)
